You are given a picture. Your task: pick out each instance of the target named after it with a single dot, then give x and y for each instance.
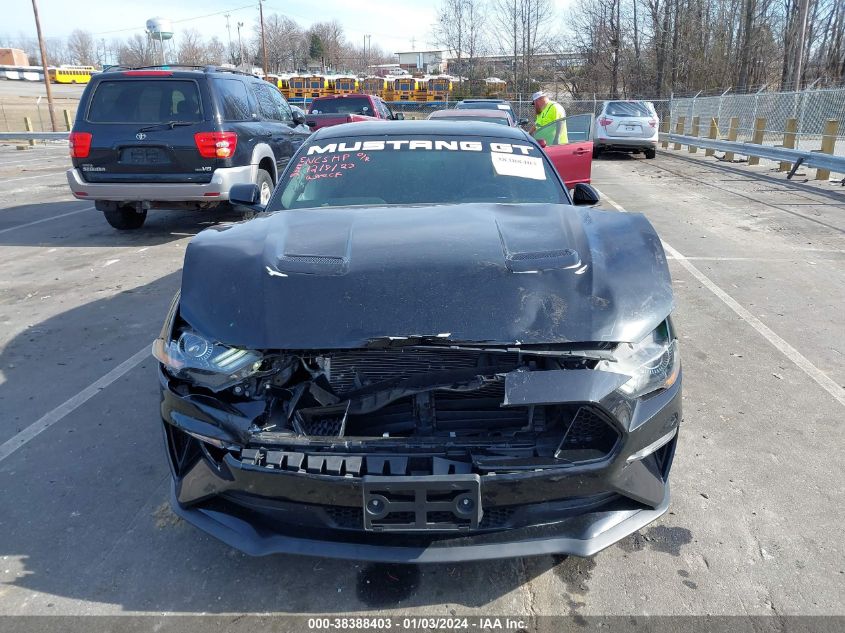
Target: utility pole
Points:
(44, 65)
(240, 47)
(263, 42)
(802, 36)
(229, 31)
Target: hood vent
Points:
(313, 264)
(542, 260)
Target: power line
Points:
(196, 17)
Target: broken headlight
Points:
(206, 363)
(653, 363)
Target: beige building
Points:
(13, 57)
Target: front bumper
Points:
(264, 499)
(216, 190)
(581, 535)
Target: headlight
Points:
(196, 358)
(653, 363)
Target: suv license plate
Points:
(143, 156)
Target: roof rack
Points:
(203, 67)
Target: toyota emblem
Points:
(140, 136)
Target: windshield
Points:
(417, 170)
(627, 108)
(346, 105)
(145, 101)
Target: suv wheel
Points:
(650, 153)
(125, 218)
(265, 187)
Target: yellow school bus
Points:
(439, 88)
(405, 88)
(344, 85)
(71, 74)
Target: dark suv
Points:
(177, 137)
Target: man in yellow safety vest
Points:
(548, 111)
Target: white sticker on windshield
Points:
(520, 166)
(502, 106)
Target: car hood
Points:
(496, 273)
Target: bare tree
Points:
(81, 48)
(191, 48)
(459, 28)
(135, 51)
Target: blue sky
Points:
(392, 23)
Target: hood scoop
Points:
(309, 251)
(528, 251)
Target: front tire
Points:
(125, 218)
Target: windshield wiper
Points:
(170, 124)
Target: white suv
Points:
(626, 126)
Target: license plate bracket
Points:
(428, 503)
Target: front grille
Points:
(353, 369)
(353, 518)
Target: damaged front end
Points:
(420, 448)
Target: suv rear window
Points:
(627, 108)
(353, 105)
(145, 101)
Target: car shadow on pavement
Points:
(90, 229)
(85, 507)
(612, 155)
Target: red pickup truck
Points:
(337, 109)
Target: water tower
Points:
(159, 30)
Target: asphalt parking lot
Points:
(758, 494)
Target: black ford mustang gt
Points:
(422, 351)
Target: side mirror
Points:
(585, 195)
(399, 116)
(541, 142)
(298, 118)
(245, 196)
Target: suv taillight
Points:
(652, 122)
(79, 144)
(604, 121)
(216, 144)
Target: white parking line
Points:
(70, 405)
(824, 381)
(49, 173)
(33, 160)
(52, 217)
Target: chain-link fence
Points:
(803, 114)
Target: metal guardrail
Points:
(34, 136)
(797, 157)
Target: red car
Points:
(573, 159)
(337, 109)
